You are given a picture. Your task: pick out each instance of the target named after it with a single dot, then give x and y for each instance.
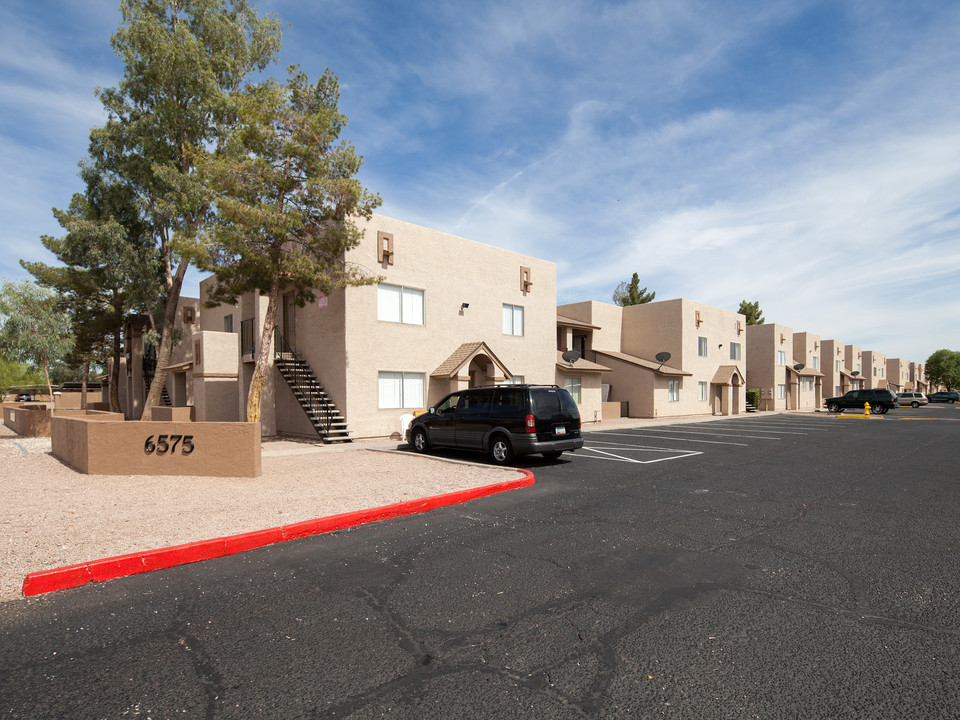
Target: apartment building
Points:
(918, 378)
(769, 365)
(898, 374)
(584, 379)
(667, 359)
(836, 378)
(806, 371)
(447, 313)
(874, 369)
(853, 364)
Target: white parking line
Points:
(660, 437)
(772, 432)
(620, 458)
(719, 434)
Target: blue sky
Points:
(803, 154)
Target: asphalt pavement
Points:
(773, 566)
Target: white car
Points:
(913, 399)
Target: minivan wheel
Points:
(833, 407)
(914, 404)
(553, 455)
(420, 442)
(500, 450)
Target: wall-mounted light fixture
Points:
(464, 306)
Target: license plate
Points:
(559, 430)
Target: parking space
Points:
(654, 444)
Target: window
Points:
(400, 390)
(781, 392)
(838, 366)
(874, 372)
(515, 380)
(735, 353)
(512, 320)
(572, 386)
(816, 362)
(228, 323)
(701, 391)
(806, 383)
(673, 391)
(702, 347)
(399, 304)
(781, 358)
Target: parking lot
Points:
(775, 566)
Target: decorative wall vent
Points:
(385, 251)
(526, 281)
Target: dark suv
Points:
(501, 420)
(947, 397)
(881, 401)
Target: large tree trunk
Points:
(83, 384)
(255, 395)
(115, 374)
(166, 340)
(46, 374)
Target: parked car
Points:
(913, 399)
(502, 420)
(881, 401)
(942, 396)
(24, 397)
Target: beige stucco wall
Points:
(832, 352)
(853, 361)
(806, 350)
(672, 326)
(451, 270)
(590, 404)
(608, 319)
(118, 448)
(763, 372)
(898, 374)
(874, 369)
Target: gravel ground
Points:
(53, 516)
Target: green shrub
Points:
(753, 398)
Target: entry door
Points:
(290, 321)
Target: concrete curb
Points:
(62, 578)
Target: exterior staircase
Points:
(323, 414)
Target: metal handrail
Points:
(301, 379)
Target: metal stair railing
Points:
(301, 380)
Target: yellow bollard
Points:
(866, 409)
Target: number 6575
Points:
(168, 443)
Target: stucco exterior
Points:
(898, 374)
(874, 369)
(808, 380)
(769, 359)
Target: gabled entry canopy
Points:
(727, 375)
(462, 357)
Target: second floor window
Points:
(512, 319)
(816, 362)
(735, 351)
(781, 358)
(399, 304)
(702, 347)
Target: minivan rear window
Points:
(546, 401)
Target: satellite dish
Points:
(662, 357)
(799, 366)
(571, 356)
(855, 373)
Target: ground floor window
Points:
(400, 390)
(515, 380)
(781, 392)
(807, 383)
(701, 391)
(673, 391)
(572, 386)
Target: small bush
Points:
(753, 398)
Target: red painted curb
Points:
(46, 581)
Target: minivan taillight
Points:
(531, 424)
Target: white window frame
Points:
(702, 391)
(781, 392)
(816, 362)
(408, 309)
(781, 358)
(573, 385)
(736, 351)
(511, 314)
(673, 391)
(409, 390)
(701, 346)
